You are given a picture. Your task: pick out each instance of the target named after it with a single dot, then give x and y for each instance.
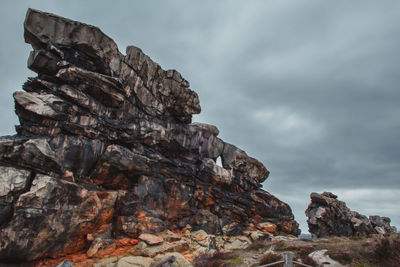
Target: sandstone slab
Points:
(173, 259)
(151, 239)
(134, 261)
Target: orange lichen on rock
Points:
(288, 227)
(141, 216)
(122, 246)
(124, 242)
(257, 218)
(208, 202)
(267, 227)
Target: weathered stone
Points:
(100, 245)
(65, 263)
(237, 242)
(151, 251)
(107, 90)
(328, 216)
(320, 258)
(12, 181)
(141, 245)
(203, 239)
(63, 214)
(151, 239)
(173, 259)
(76, 42)
(106, 152)
(107, 262)
(199, 235)
(267, 227)
(134, 261)
(382, 224)
(53, 155)
(257, 235)
(161, 91)
(170, 236)
(232, 229)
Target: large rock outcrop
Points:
(328, 216)
(106, 147)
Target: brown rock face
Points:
(106, 151)
(328, 216)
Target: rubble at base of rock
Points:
(328, 216)
(106, 152)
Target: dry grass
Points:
(367, 251)
(387, 252)
(373, 251)
(269, 258)
(260, 244)
(215, 260)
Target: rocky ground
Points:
(199, 249)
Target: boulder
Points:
(151, 239)
(320, 258)
(237, 242)
(134, 261)
(107, 262)
(100, 245)
(171, 260)
(203, 239)
(257, 235)
(170, 236)
(267, 227)
(152, 251)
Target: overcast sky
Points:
(311, 88)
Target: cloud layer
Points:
(310, 88)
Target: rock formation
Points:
(328, 216)
(382, 224)
(106, 151)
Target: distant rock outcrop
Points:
(106, 151)
(328, 216)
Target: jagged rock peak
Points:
(106, 152)
(73, 51)
(328, 216)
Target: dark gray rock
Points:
(328, 216)
(53, 218)
(382, 224)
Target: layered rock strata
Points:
(106, 151)
(328, 216)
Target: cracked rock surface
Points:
(106, 150)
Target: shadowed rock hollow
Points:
(106, 150)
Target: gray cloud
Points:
(310, 88)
